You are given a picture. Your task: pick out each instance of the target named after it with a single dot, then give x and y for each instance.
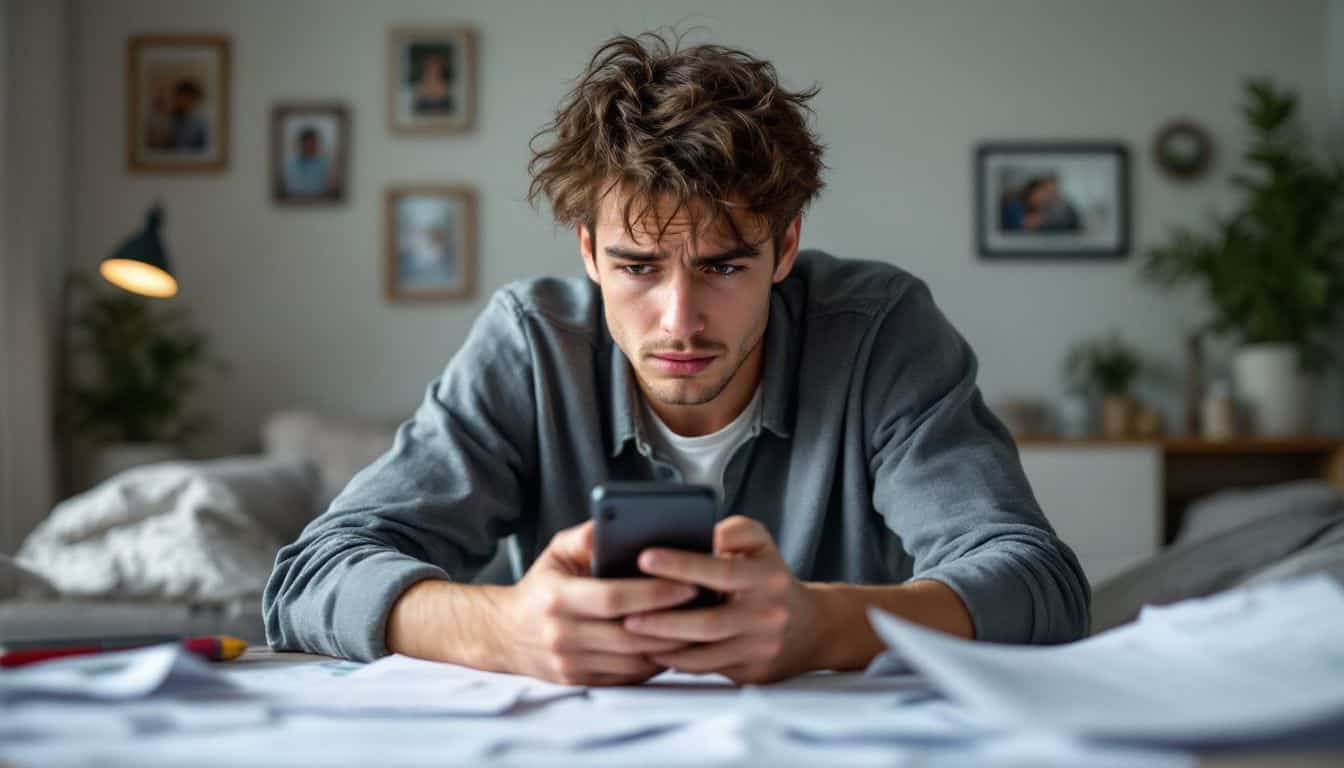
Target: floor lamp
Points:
(139, 265)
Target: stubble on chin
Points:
(671, 392)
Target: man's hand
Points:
(762, 633)
(564, 626)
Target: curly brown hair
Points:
(707, 128)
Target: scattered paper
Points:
(129, 674)
(402, 685)
(1245, 665)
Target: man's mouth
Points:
(680, 363)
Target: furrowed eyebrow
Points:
(616, 252)
(741, 252)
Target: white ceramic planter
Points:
(119, 457)
(1272, 389)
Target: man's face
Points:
(184, 102)
(1045, 193)
(689, 313)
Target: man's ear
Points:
(788, 249)
(588, 252)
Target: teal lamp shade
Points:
(140, 265)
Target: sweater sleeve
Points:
(948, 481)
(432, 507)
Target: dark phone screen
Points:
(629, 518)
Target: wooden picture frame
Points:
(178, 102)
(429, 246)
(310, 153)
(431, 80)
(1065, 200)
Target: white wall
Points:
(7, 445)
(1334, 64)
(36, 223)
(294, 299)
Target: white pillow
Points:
(198, 531)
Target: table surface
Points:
(262, 656)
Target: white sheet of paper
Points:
(570, 728)
(402, 685)
(399, 667)
(130, 674)
(682, 690)
(1018, 750)
(1243, 665)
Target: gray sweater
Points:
(872, 461)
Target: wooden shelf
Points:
(1193, 467)
(1307, 444)
(1196, 445)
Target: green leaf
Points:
(1274, 269)
(132, 366)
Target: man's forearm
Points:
(446, 621)
(846, 640)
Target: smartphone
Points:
(629, 518)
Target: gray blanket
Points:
(1230, 539)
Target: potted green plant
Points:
(1107, 366)
(1273, 270)
(135, 364)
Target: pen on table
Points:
(213, 647)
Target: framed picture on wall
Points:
(431, 85)
(1055, 200)
(430, 250)
(177, 103)
(310, 153)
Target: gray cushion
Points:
(28, 621)
(1323, 555)
(280, 493)
(1281, 528)
(1234, 508)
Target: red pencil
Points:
(213, 647)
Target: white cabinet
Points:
(1105, 501)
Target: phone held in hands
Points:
(629, 518)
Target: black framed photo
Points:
(1053, 200)
(310, 153)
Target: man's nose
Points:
(681, 317)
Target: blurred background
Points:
(340, 188)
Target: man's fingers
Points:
(741, 535)
(707, 625)
(614, 598)
(715, 657)
(605, 636)
(603, 668)
(725, 574)
(574, 543)
(573, 548)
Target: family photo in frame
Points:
(310, 150)
(430, 248)
(431, 86)
(1056, 200)
(177, 103)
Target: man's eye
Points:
(724, 270)
(636, 270)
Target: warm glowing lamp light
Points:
(140, 265)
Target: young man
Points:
(830, 402)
